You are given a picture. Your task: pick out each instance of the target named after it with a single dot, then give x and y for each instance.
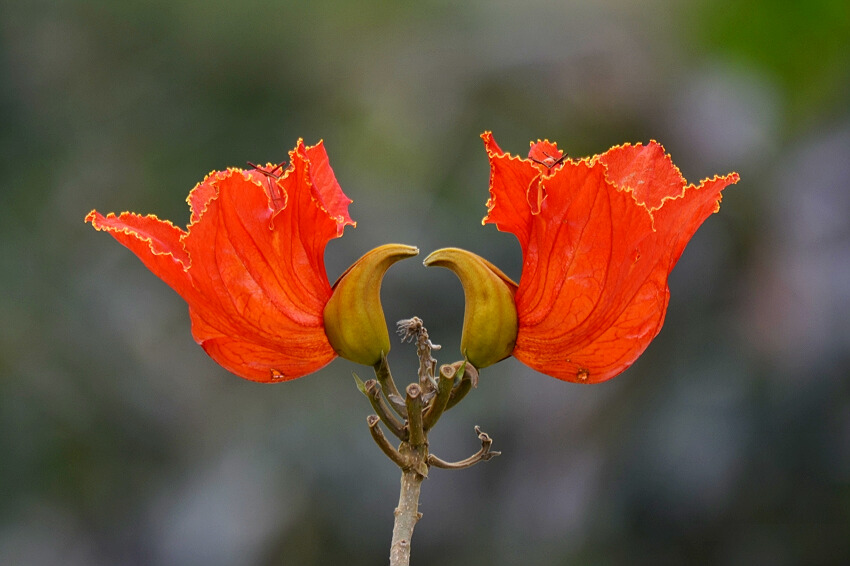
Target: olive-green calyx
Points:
(353, 317)
(490, 321)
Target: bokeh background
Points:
(728, 442)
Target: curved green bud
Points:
(490, 321)
(354, 319)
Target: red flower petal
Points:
(251, 265)
(677, 210)
(510, 178)
(156, 242)
(252, 360)
(680, 217)
(644, 170)
(326, 189)
(597, 254)
(202, 194)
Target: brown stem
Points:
(414, 416)
(406, 516)
(422, 406)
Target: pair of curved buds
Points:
(354, 318)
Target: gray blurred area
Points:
(121, 442)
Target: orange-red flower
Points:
(251, 263)
(599, 238)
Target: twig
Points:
(383, 443)
(467, 383)
(422, 407)
(438, 403)
(481, 456)
(385, 378)
(414, 416)
(415, 453)
(372, 390)
(406, 516)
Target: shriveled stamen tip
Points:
(276, 375)
(409, 328)
(582, 375)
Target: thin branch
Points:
(481, 456)
(467, 383)
(372, 389)
(383, 443)
(414, 416)
(438, 403)
(385, 378)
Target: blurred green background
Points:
(728, 442)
